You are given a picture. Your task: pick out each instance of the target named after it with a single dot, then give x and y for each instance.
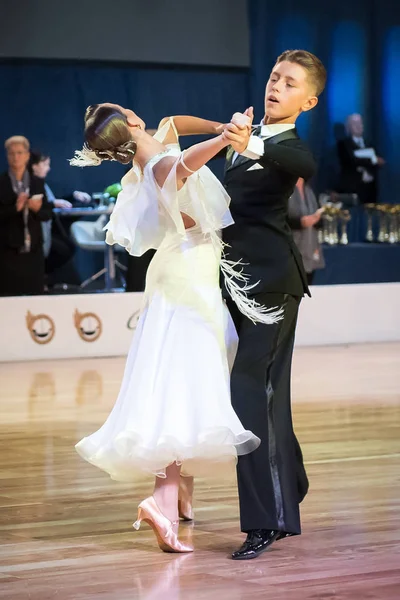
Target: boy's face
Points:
(288, 93)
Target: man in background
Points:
(359, 162)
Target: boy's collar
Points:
(274, 128)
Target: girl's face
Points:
(42, 168)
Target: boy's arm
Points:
(291, 156)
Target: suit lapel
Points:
(229, 155)
(240, 160)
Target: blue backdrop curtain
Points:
(46, 103)
(359, 41)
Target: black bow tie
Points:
(256, 131)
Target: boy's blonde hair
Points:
(311, 63)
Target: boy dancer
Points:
(261, 173)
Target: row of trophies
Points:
(334, 226)
(389, 223)
(335, 221)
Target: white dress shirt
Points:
(364, 153)
(255, 147)
(359, 141)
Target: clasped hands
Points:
(237, 132)
(34, 203)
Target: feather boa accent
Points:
(85, 158)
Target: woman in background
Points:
(23, 209)
(304, 216)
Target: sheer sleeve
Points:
(206, 198)
(167, 134)
(136, 223)
(139, 221)
(202, 197)
(145, 212)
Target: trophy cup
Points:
(387, 208)
(396, 218)
(369, 236)
(323, 234)
(383, 232)
(330, 222)
(345, 217)
(398, 222)
(336, 226)
(393, 236)
(327, 225)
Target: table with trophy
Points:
(374, 259)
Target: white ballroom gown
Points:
(174, 401)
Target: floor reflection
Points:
(89, 387)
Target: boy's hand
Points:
(238, 131)
(242, 120)
(237, 138)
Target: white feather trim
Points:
(85, 158)
(236, 282)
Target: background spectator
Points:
(23, 207)
(359, 162)
(304, 216)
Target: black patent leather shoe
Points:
(257, 542)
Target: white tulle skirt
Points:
(174, 402)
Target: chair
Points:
(89, 235)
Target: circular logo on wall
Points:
(41, 327)
(133, 320)
(88, 326)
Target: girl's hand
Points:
(243, 120)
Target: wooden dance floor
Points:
(65, 527)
